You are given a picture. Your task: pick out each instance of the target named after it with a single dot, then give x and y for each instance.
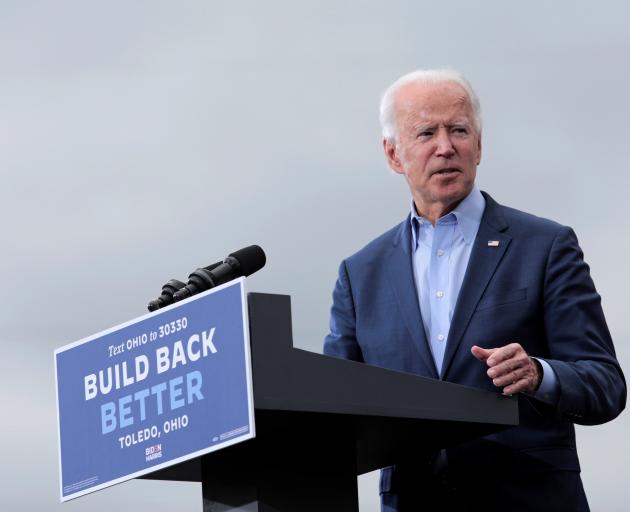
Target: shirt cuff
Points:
(548, 391)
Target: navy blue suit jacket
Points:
(533, 288)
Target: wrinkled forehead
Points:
(444, 101)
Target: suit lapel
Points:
(400, 273)
(484, 259)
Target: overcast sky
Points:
(140, 140)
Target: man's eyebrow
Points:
(432, 125)
(424, 126)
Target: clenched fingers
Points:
(510, 368)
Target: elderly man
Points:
(473, 292)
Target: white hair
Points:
(422, 77)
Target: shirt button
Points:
(439, 295)
(440, 252)
(440, 337)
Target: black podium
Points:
(321, 421)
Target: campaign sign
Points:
(155, 391)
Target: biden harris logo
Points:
(153, 452)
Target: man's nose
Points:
(444, 145)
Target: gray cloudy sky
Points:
(140, 140)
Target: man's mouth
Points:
(449, 171)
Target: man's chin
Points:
(452, 194)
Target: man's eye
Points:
(460, 130)
(424, 134)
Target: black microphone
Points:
(243, 262)
(170, 288)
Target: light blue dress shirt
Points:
(440, 258)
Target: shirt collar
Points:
(467, 215)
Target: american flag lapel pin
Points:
(493, 243)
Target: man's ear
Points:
(391, 153)
(479, 149)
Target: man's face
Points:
(438, 147)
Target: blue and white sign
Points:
(155, 391)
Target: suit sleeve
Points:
(342, 341)
(592, 385)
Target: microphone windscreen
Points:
(251, 259)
